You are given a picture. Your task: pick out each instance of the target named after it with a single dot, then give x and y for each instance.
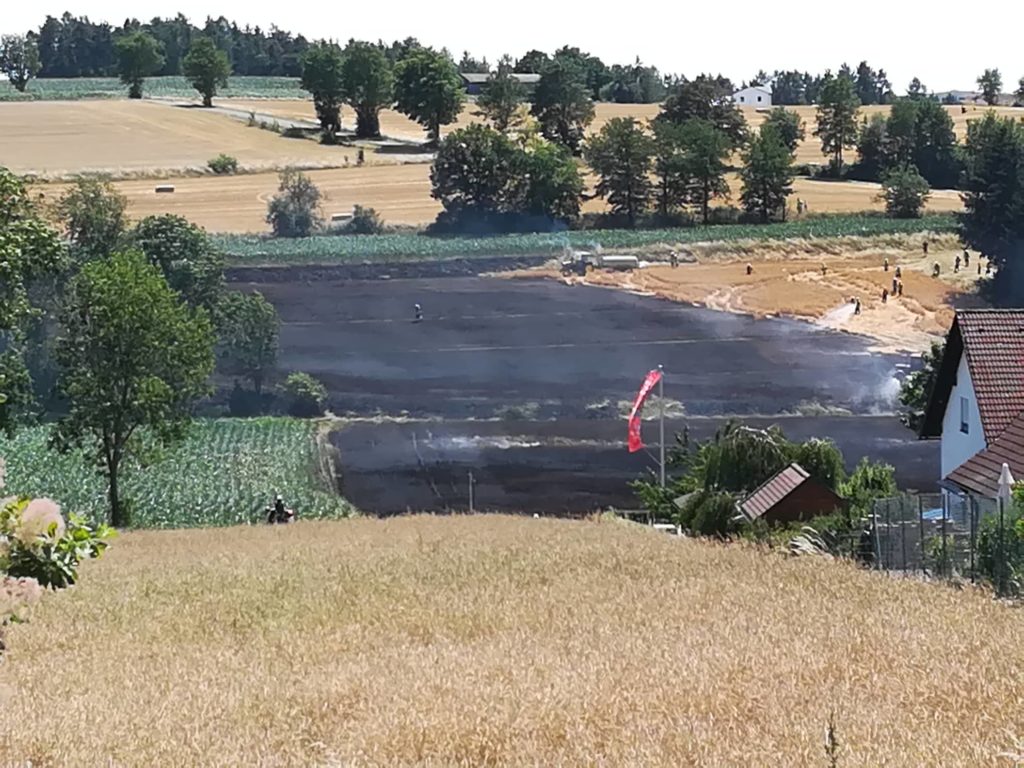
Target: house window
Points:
(964, 426)
(758, 99)
(742, 99)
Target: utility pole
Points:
(471, 491)
(661, 420)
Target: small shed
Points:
(753, 96)
(790, 496)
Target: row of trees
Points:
(117, 328)
(679, 161)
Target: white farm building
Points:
(753, 96)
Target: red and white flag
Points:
(635, 443)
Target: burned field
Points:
(534, 374)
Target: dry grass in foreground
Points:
(495, 640)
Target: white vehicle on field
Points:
(582, 262)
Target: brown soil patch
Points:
(792, 283)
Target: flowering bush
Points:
(37, 543)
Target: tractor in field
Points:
(583, 262)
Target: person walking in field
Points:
(967, 259)
(925, 246)
(956, 264)
(673, 259)
(899, 289)
(936, 269)
(885, 264)
(899, 272)
(417, 313)
(885, 295)
(824, 269)
(895, 280)
(750, 268)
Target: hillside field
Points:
(501, 641)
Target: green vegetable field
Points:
(225, 473)
(70, 89)
(243, 249)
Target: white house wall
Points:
(958, 447)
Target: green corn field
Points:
(326, 249)
(224, 473)
(71, 89)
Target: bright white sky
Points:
(947, 45)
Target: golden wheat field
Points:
(502, 641)
(401, 195)
(130, 137)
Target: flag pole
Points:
(661, 403)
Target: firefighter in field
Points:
(417, 313)
(750, 269)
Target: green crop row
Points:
(247, 249)
(70, 89)
(225, 473)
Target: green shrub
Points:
(305, 395)
(365, 221)
(223, 164)
(905, 192)
(36, 543)
(295, 210)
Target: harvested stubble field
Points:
(58, 139)
(401, 195)
(501, 641)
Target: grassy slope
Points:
(243, 250)
(494, 640)
(224, 474)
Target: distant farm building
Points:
(790, 496)
(474, 82)
(753, 96)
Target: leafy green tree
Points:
(705, 164)
(501, 98)
(708, 99)
(134, 359)
(872, 149)
(767, 175)
(917, 387)
(295, 210)
(837, 118)
(554, 187)
(562, 103)
(670, 166)
(1019, 93)
(322, 76)
(634, 84)
(29, 251)
(916, 90)
(429, 90)
(139, 56)
(991, 85)
(901, 133)
(822, 460)
(188, 260)
(94, 218)
(788, 125)
(247, 345)
(19, 60)
(469, 63)
(475, 172)
(872, 87)
(868, 482)
(532, 63)
(993, 193)
(937, 153)
(368, 85)
(206, 68)
(620, 154)
(305, 395)
(905, 192)
(595, 72)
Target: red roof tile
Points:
(980, 473)
(773, 490)
(993, 341)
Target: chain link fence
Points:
(947, 536)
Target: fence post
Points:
(874, 531)
(946, 571)
(1001, 565)
(973, 508)
(903, 537)
(920, 527)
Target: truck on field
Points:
(581, 262)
